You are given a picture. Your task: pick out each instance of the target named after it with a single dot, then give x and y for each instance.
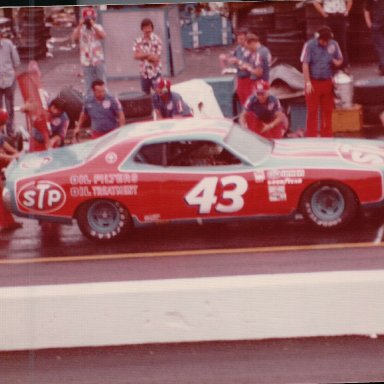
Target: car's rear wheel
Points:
(329, 205)
(103, 220)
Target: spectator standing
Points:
(243, 76)
(9, 60)
(90, 36)
(263, 113)
(167, 104)
(335, 13)
(147, 49)
(7, 154)
(320, 56)
(103, 109)
(374, 18)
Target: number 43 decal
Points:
(204, 194)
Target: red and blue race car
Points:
(195, 169)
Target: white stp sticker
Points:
(41, 196)
(204, 194)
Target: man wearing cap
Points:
(167, 104)
(147, 49)
(90, 34)
(320, 57)
(263, 113)
(9, 60)
(335, 14)
(103, 109)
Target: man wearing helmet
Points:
(263, 113)
(9, 60)
(167, 104)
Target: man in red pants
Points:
(320, 57)
(263, 113)
(7, 154)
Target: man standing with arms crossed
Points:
(147, 49)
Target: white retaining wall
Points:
(184, 310)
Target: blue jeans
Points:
(8, 95)
(147, 84)
(92, 73)
(378, 41)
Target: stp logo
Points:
(41, 197)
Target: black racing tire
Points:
(103, 220)
(73, 104)
(290, 35)
(369, 91)
(329, 205)
(135, 104)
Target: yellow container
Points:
(347, 119)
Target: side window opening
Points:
(199, 153)
(153, 154)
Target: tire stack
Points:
(360, 45)
(370, 94)
(258, 21)
(73, 104)
(33, 34)
(137, 106)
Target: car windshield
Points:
(254, 147)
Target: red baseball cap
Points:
(261, 86)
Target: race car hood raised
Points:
(352, 152)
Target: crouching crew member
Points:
(7, 154)
(167, 104)
(263, 113)
(59, 122)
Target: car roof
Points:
(180, 128)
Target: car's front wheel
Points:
(103, 220)
(329, 205)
